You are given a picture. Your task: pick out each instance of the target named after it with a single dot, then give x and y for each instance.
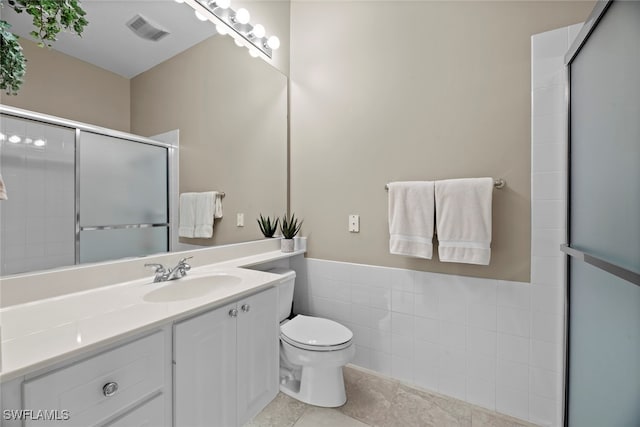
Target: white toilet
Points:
(313, 351)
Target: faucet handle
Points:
(183, 263)
(157, 267)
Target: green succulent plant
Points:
(267, 226)
(289, 226)
(50, 17)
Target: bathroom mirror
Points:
(229, 108)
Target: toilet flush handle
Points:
(245, 307)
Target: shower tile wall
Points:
(37, 221)
(497, 344)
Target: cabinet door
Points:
(258, 353)
(205, 370)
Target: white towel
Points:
(3, 190)
(463, 218)
(205, 211)
(411, 214)
(218, 207)
(187, 215)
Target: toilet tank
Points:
(285, 291)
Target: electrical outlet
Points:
(240, 220)
(354, 223)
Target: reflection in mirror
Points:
(228, 109)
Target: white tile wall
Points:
(494, 343)
(37, 221)
(442, 332)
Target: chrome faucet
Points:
(164, 274)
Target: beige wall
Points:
(387, 91)
(274, 15)
(231, 110)
(64, 86)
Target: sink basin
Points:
(191, 287)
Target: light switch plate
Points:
(354, 223)
(240, 220)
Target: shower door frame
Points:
(633, 277)
(79, 128)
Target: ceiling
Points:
(108, 43)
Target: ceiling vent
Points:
(146, 29)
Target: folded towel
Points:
(187, 215)
(411, 218)
(205, 210)
(463, 217)
(3, 190)
(218, 207)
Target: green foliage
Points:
(268, 227)
(50, 17)
(289, 226)
(12, 61)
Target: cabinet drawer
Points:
(82, 389)
(149, 414)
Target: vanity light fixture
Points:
(237, 24)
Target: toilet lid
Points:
(315, 331)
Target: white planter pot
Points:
(287, 245)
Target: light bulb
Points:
(200, 16)
(223, 4)
(3, 137)
(242, 16)
(237, 42)
(258, 31)
(222, 29)
(273, 42)
(14, 139)
(28, 140)
(39, 142)
(254, 53)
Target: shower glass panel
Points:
(123, 198)
(604, 221)
(37, 222)
(605, 349)
(121, 182)
(98, 245)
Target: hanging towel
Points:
(463, 217)
(218, 207)
(205, 210)
(187, 215)
(411, 214)
(3, 190)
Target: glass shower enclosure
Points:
(78, 193)
(603, 373)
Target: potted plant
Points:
(289, 226)
(50, 17)
(267, 226)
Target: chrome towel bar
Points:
(498, 183)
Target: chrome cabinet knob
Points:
(233, 312)
(109, 389)
(245, 307)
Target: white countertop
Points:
(39, 334)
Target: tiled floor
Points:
(378, 401)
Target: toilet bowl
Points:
(313, 351)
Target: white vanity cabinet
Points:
(127, 385)
(226, 362)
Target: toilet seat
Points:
(315, 334)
